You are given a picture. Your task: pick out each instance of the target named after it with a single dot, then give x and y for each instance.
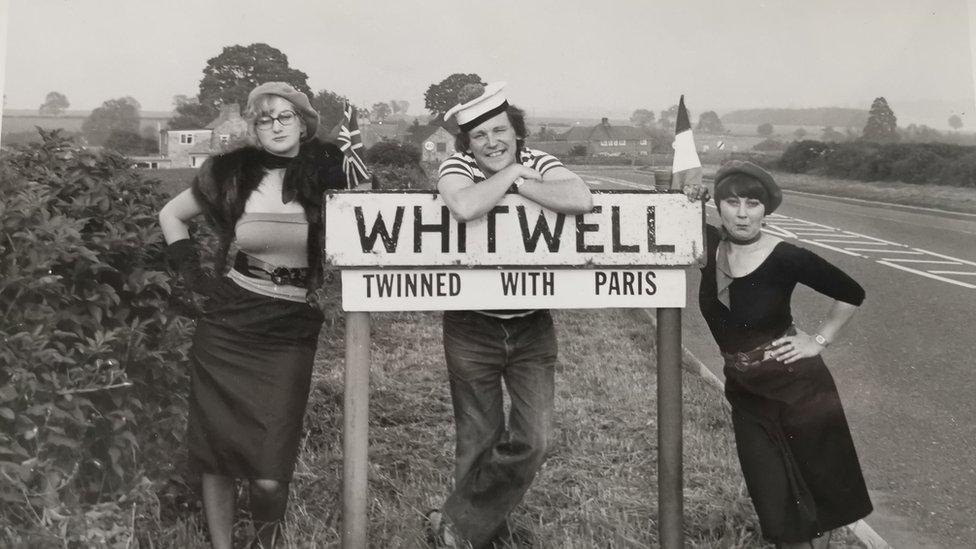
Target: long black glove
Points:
(183, 258)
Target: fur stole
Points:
(224, 183)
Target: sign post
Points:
(403, 251)
(355, 430)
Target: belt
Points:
(254, 267)
(747, 360)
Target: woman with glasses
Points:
(792, 437)
(252, 352)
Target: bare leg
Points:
(268, 501)
(218, 506)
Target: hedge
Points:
(919, 163)
(92, 380)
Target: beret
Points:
(297, 98)
(754, 171)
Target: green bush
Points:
(392, 153)
(769, 144)
(919, 163)
(800, 156)
(92, 374)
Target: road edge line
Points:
(690, 363)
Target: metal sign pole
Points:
(669, 481)
(355, 431)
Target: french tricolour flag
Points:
(686, 169)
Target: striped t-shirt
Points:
(465, 164)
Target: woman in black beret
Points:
(791, 434)
(252, 352)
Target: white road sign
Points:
(443, 290)
(398, 229)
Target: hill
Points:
(822, 116)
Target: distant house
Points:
(605, 139)
(436, 143)
(190, 148)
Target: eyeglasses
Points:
(285, 118)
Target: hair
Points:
(743, 186)
(258, 106)
(516, 117)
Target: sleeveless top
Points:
(280, 239)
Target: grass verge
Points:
(598, 486)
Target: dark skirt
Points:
(251, 367)
(795, 449)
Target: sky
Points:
(560, 58)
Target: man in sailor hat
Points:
(496, 460)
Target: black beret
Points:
(752, 170)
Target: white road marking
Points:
(937, 261)
(622, 182)
(973, 263)
(850, 243)
(835, 241)
(884, 250)
(929, 275)
(829, 247)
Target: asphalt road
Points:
(906, 364)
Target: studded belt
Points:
(253, 267)
(747, 360)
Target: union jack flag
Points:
(351, 142)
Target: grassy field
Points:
(598, 486)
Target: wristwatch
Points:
(821, 340)
(518, 182)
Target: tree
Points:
(955, 122)
(642, 118)
(800, 133)
(230, 76)
(440, 97)
(120, 114)
(190, 114)
(398, 106)
(54, 104)
(830, 134)
(765, 130)
(380, 111)
(709, 122)
(669, 117)
(330, 107)
(882, 125)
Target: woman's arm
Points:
(803, 345)
(176, 213)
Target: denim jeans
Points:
(497, 460)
